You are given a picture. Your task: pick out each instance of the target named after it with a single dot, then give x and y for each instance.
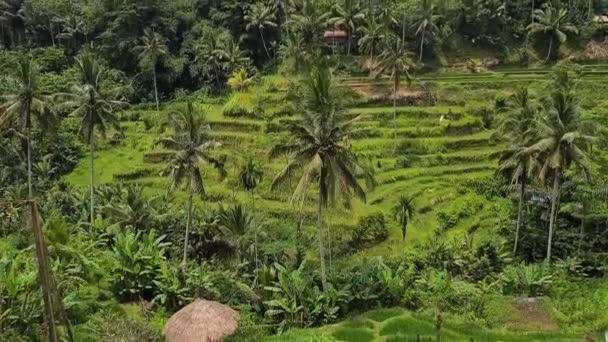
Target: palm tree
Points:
(95, 105)
(13, 17)
(514, 163)
(372, 36)
(152, 48)
(192, 145)
(26, 103)
(249, 176)
(310, 24)
(232, 57)
(260, 17)
(348, 16)
(426, 23)
(561, 141)
(403, 211)
(396, 60)
(209, 51)
(318, 148)
(294, 50)
(554, 23)
(19, 107)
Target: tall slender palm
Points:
(95, 105)
(395, 60)
(153, 47)
(192, 146)
(403, 211)
(561, 141)
(318, 148)
(25, 104)
(27, 101)
(250, 176)
(348, 16)
(514, 163)
(260, 17)
(554, 23)
(425, 24)
(372, 36)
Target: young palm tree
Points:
(372, 36)
(192, 146)
(95, 105)
(552, 22)
(25, 104)
(348, 15)
(249, 176)
(260, 17)
(152, 48)
(318, 148)
(396, 61)
(561, 141)
(514, 163)
(403, 211)
(426, 23)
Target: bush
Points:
(530, 280)
(371, 229)
(242, 105)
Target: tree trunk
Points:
(43, 271)
(581, 233)
(155, 88)
(188, 223)
(403, 28)
(321, 246)
(421, 46)
(264, 43)
(350, 40)
(92, 172)
(396, 82)
(28, 138)
(255, 247)
(52, 34)
(519, 210)
(550, 49)
(532, 11)
(554, 199)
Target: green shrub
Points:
(242, 105)
(370, 229)
(530, 280)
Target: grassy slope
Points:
(400, 325)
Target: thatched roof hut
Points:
(201, 321)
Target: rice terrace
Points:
(303, 170)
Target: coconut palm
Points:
(95, 105)
(294, 50)
(319, 148)
(210, 52)
(348, 16)
(310, 23)
(561, 141)
(403, 211)
(25, 104)
(250, 176)
(395, 60)
(425, 24)
(192, 146)
(552, 22)
(260, 17)
(232, 57)
(153, 47)
(372, 36)
(515, 129)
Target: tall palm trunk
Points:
(92, 172)
(350, 42)
(532, 11)
(550, 49)
(581, 233)
(421, 46)
(28, 138)
(554, 199)
(188, 224)
(43, 270)
(155, 88)
(255, 246)
(519, 210)
(264, 43)
(396, 82)
(321, 243)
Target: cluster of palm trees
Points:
(545, 140)
(28, 107)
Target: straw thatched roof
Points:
(201, 321)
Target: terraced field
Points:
(435, 157)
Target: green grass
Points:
(400, 325)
